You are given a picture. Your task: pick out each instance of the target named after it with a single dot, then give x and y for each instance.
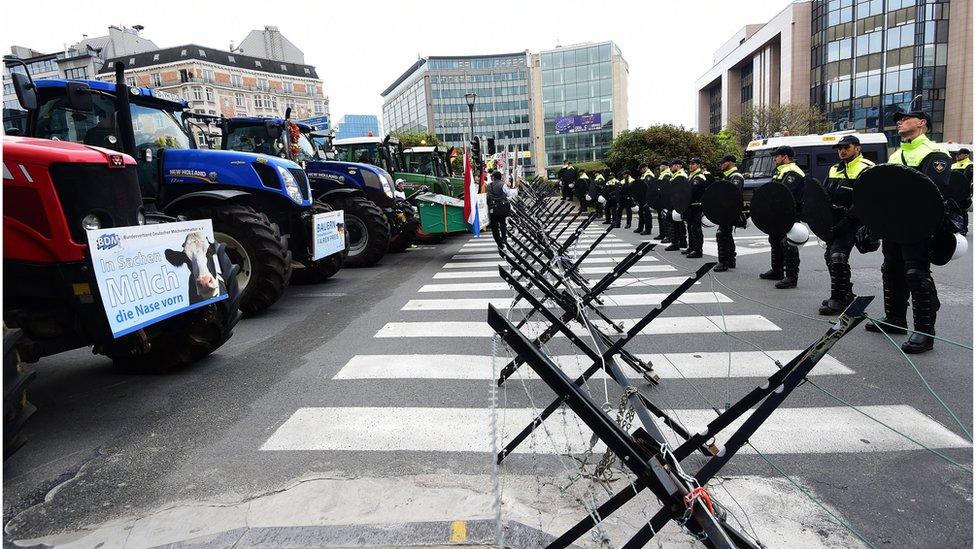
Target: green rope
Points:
(812, 498)
(933, 336)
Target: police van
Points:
(814, 155)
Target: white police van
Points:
(814, 155)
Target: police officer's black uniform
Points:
(663, 219)
(723, 235)
(625, 203)
(700, 179)
(906, 269)
(611, 193)
(582, 189)
(567, 176)
(638, 193)
(840, 187)
(679, 237)
(785, 257)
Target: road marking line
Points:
(815, 430)
(611, 300)
(589, 260)
(635, 283)
(493, 273)
(661, 325)
(698, 365)
(621, 282)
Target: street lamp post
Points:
(470, 98)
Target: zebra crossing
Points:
(446, 315)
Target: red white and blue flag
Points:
(470, 195)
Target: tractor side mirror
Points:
(26, 91)
(79, 96)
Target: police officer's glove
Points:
(571, 185)
(864, 241)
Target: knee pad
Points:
(837, 258)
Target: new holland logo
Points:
(116, 161)
(212, 176)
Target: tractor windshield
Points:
(364, 153)
(421, 163)
(254, 139)
(306, 150)
(153, 127)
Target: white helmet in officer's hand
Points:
(675, 216)
(962, 246)
(798, 235)
(601, 199)
(588, 198)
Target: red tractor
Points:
(54, 192)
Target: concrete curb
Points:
(412, 534)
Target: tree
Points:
(786, 119)
(660, 144)
(417, 139)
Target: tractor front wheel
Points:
(313, 272)
(367, 231)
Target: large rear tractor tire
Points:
(367, 231)
(315, 272)
(406, 226)
(16, 408)
(258, 247)
(183, 339)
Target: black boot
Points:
(841, 289)
(895, 303)
(925, 304)
(791, 266)
(786, 283)
(671, 247)
(775, 260)
(720, 268)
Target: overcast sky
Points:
(360, 47)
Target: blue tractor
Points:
(261, 206)
(378, 219)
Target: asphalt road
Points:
(319, 390)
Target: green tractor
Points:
(416, 167)
(431, 166)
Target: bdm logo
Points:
(107, 241)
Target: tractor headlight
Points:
(91, 222)
(291, 186)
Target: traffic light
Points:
(476, 150)
(491, 146)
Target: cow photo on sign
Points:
(197, 255)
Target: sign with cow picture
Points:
(147, 273)
(328, 234)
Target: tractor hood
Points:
(232, 169)
(377, 182)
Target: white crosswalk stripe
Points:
(621, 300)
(788, 431)
(669, 366)
(623, 282)
(664, 325)
(588, 261)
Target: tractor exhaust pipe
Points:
(123, 115)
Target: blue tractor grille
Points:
(269, 178)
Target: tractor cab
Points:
(814, 155)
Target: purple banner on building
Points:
(578, 123)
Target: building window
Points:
(230, 59)
(79, 73)
(208, 75)
(312, 89)
(262, 83)
(130, 81)
(259, 101)
(154, 80)
(257, 64)
(235, 80)
(210, 94)
(274, 102)
(288, 87)
(318, 108)
(185, 75)
(202, 53)
(239, 100)
(197, 94)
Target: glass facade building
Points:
(357, 125)
(578, 91)
(430, 97)
(870, 58)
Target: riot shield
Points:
(817, 210)
(680, 194)
(898, 204)
(773, 208)
(722, 202)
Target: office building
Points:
(429, 97)
(583, 106)
(859, 61)
(357, 125)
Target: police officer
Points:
(626, 199)
(700, 179)
(567, 177)
(906, 268)
(678, 235)
(663, 221)
(723, 235)
(785, 257)
(597, 182)
(582, 187)
(611, 194)
(840, 187)
(963, 167)
(638, 193)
